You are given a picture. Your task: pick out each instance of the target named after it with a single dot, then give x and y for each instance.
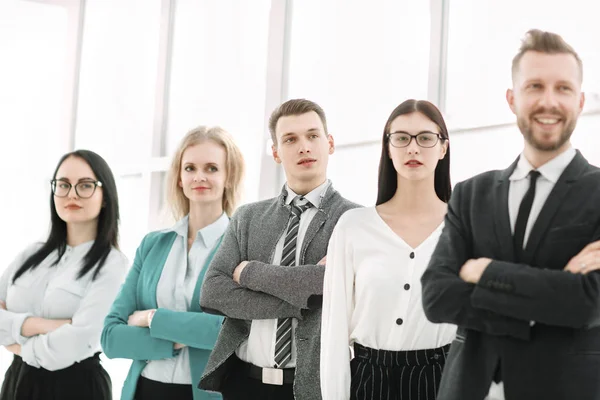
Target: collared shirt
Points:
(54, 292)
(176, 288)
(372, 296)
(259, 349)
(519, 184)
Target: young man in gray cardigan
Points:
(267, 277)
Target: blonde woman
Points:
(156, 319)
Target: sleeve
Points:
(446, 297)
(11, 322)
(73, 342)
(194, 329)
(536, 294)
(120, 340)
(338, 305)
(295, 285)
(222, 295)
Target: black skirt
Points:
(83, 380)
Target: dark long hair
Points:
(388, 178)
(107, 235)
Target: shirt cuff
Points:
(18, 321)
(28, 353)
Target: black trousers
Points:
(396, 375)
(148, 389)
(83, 380)
(239, 386)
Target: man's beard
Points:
(526, 127)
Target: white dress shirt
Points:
(259, 349)
(372, 296)
(519, 184)
(176, 287)
(54, 292)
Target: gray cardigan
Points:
(270, 291)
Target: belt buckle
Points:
(272, 376)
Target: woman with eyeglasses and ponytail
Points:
(372, 292)
(55, 295)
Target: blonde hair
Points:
(234, 164)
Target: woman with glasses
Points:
(156, 319)
(376, 342)
(55, 295)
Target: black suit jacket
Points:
(535, 324)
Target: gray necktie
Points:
(283, 339)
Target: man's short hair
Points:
(294, 107)
(544, 42)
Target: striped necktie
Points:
(283, 339)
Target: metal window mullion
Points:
(157, 148)
(438, 53)
(278, 56)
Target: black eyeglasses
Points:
(84, 189)
(423, 139)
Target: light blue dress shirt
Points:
(176, 288)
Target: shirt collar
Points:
(314, 197)
(551, 170)
(181, 227)
(209, 234)
(81, 247)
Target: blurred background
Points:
(128, 78)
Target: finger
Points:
(591, 264)
(583, 258)
(594, 246)
(584, 264)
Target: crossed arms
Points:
(262, 290)
(502, 298)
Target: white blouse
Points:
(54, 292)
(372, 296)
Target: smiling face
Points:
(72, 208)
(547, 99)
(414, 162)
(303, 148)
(203, 173)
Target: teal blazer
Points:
(193, 328)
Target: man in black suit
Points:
(516, 265)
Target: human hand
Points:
(472, 270)
(238, 271)
(586, 260)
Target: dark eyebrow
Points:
(65, 179)
(416, 133)
(311, 130)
